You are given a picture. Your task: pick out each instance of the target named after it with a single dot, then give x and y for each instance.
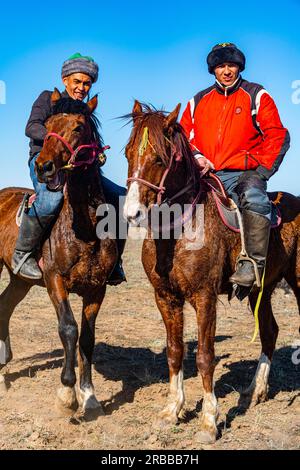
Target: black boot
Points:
(256, 233)
(30, 234)
(118, 275)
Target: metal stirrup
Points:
(20, 264)
(243, 256)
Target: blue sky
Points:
(154, 51)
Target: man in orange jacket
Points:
(234, 129)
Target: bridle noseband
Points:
(72, 162)
(160, 189)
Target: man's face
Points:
(227, 73)
(78, 85)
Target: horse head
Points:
(150, 152)
(70, 130)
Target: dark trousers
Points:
(247, 189)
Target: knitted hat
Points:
(80, 64)
(225, 52)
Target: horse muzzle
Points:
(45, 171)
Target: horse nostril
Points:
(48, 167)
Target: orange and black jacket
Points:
(237, 128)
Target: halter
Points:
(72, 162)
(160, 189)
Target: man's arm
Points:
(41, 111)
(276, 138)
(187, 122)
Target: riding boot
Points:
(256, 234)
(30, 235)
(118, 275)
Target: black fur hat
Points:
(226, 52)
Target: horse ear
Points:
(93, 103)
(56, 96)
(173, 116)
(137, 107)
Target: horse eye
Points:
(78, 128)
(158, 160)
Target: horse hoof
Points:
(88, 401)
(92, 404)
(66, 401)
(165, 419)
(206, 437)
(250, 398)
(3, 387)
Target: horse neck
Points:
(84, 194)
(178, 179)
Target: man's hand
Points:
(102, 158)
(205, 165)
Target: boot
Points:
(256, 233)
(30, 234)
(118, 275)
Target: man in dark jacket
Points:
(234, 128)
(78, 74)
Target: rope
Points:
(256, 319)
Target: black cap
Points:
(225, 52)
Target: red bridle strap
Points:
(72, 162)
(159, 189)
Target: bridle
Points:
(72, 162)
(160, 189)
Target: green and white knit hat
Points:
(78, 63)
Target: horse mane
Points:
(154, 119)
(67, 105)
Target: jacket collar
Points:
(65, 94)
(228, 90)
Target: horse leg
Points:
(171, 309)
(204, 303)
(91, 306)
(258, 390)
(294, 281)
(68, 331)
(9, 299)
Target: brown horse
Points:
(74, 258)
(161, 166)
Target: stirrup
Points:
(23, 260)
(241, 258)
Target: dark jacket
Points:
(35, 128)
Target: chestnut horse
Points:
(161, 166)
(74, 258)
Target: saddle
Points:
(228, 210)
(25, 205)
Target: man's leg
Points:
(34, 223)
(256, 213)
(115, 196)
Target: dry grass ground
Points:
(130, 375)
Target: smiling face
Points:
(78, 85)
(227, 73)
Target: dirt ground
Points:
(131, 379)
